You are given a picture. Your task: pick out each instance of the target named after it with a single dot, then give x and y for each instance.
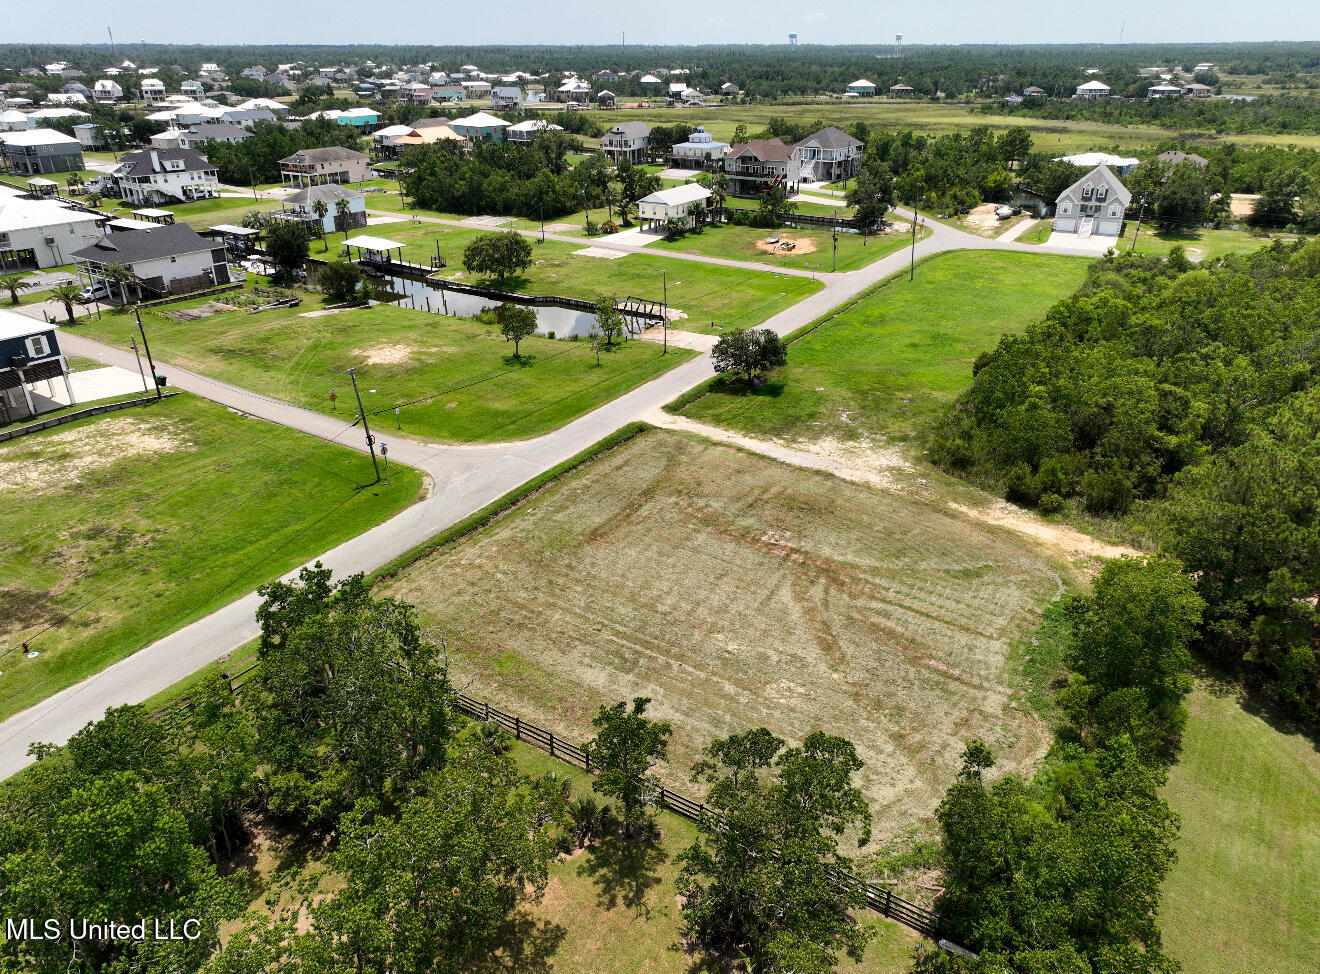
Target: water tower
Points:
(898, 44)
(792, 40)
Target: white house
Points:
(1089, 160)
(1093, 89)
(168, 259)
(107, 90)
(506, 98)
(862, 88)
(301, 206)
(1094, 205)
(700, 151)
(12, 120)
(526, 131)
(193, 89)
(627, 140)
(165, 176)
(828, 155)
(153, 90)
(675, 203)
(36, 233)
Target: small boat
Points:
(772, 240)
(1004, 211)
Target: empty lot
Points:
(738, 592)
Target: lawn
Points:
(739, 592)
(400, 355)
(203, 214)
(706, 293)
(116, 521)
(890, 363)
(740, 243)
(1244, 894)
(1199, 244)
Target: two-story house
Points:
(700, 151)
(331, 164)
(828, 155)
(480, 127)
(36, 233)
(29, 353)
(301, 208)
(35, 152)
(757, 166)
(1094, 205)
(150, 176)
(627, 140)
(506, 98)
(168, 259)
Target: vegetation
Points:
(498, 254)
(287, 248)
(1185, 391)
(749, 354)
(257, 158)
(1277, 114)
(516, 323)
(339, 280)
(625, 749)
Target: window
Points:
(1086, 191)
(1065, 208)
(37, 346)
(1113, 211)
(1101, 193)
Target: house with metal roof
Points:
(525, 132)
(1093, 89)
(627, 140)
(1094, 205)
(480, 127)
(700, 151)
(301, 208)
(35, 152)
(1123, 165)
(862, 88)
(36, 233)
(506, 98)
(676, 203)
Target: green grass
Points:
(892, 361)
(1244, 895)
(203, 214)
(739, 243)
(728, 297)
(1200, 244)
(400, 355)
(117, 525)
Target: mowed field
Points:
(1244, 896)
(889, 363)
(740, 592)
(473, 388)
(115, 535)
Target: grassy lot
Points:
(740, 243)
(1243, 895)
(1199, 244)
(400, 355)
(117, 522)
(221, 209)
(806, 208)
(740, 592)
(705, 292)
(891, 362)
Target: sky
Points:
(673, 22)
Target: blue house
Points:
(29, 353)
(481, 127)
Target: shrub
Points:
(1107, 492)
(340, 280)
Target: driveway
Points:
(464, 479)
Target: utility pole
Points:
(147, 348)
(542, 205)
(362, 414)
(912, 260)
(664, 278)
(133, 341)
(252, 181)
(1137, 232)
(834, 264)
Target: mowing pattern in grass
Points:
(400, 355)
(740, 243)
(890, 363)
(82, 504)
(740, 592)
(1244, 896)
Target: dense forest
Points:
(1184, 398)
(762, 71)
(1273, 114)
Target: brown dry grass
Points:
(740, 592)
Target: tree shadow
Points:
(523, 945)
(624, 872)
(512, 361)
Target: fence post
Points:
(487, 710)
(889, 901)
(662, 796)
(552, 744)
(517, 728)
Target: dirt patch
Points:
(561, 227)
(200, 312)
(1061, 538)
(385, 354)
(787, 246)
(1241, 205)
(981, 218)
(64, 459)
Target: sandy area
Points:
(384, 354)
(804, 245)
(1242, 204)
(982, 217)
(65, 458)
(201, 311)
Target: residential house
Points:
(627, 140)
(676, 88)
(1031, 91)
(427, 135)
(1093, 89)
(210, 68)
(153, 90)
(525, 132)
(828, 155)
(106, 90)
(301, 207)
(29, 353)
(448, 92)
(573, 91)
(649, 79)
(167, 259)
(605, 99)
(417, 93)
(193, 89)
(269, 104)
(204, 132)
(1173, 157)
(36, 233)
(89, 135)
(1089, 160)
(382, 140)
(901, 91)
(676, 203)
(730, 90)
(605, 74)
(692, 98)
(475, 90)
(256, 73)
(12, 120)
(332, 164)
(506, 98)
(150, 176)
(35, 152)
(1163, 90)
(1197, 90)
(480, 127)
(1094, 205)
(58, 111)
(66, 98)
(862, 88)
(760, 165)
(700, 151)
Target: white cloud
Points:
(814, 17)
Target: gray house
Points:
(1095, 204)
(36, 152)
(29, 352)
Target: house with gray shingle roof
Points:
(828, 155)
(1094, 205)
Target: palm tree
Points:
(321, 208)
(67, 295)
(341, 213)
(120, 275)
(73, 181)
(719, 190)
(13, 284)
(254, 220)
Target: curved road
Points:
(465, 479)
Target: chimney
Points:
(155, 161)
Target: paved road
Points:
(465, 479)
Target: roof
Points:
(1093, 86)
(426, 123)
(390, 131)
(332, 153)
(59, 112)
(430, 135)
(1087, 159)
(767, 150)
(479, 120)
(1100, 176)
(150, 212)
(831, 138)
(678, 195)
(233, 231)
(18, 211)
(330, 192)
(140, 163)
(15, 325)
(37, 137)
(862, 83)
(367, 242)
(649, 79)
(219, 130)
(536, 125)
(1173, 157)
(131, 246)
(633, 130)
(507, 92)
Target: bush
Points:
(340, 280)
(1107, 492)
(1050, 504)
(609, 226)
